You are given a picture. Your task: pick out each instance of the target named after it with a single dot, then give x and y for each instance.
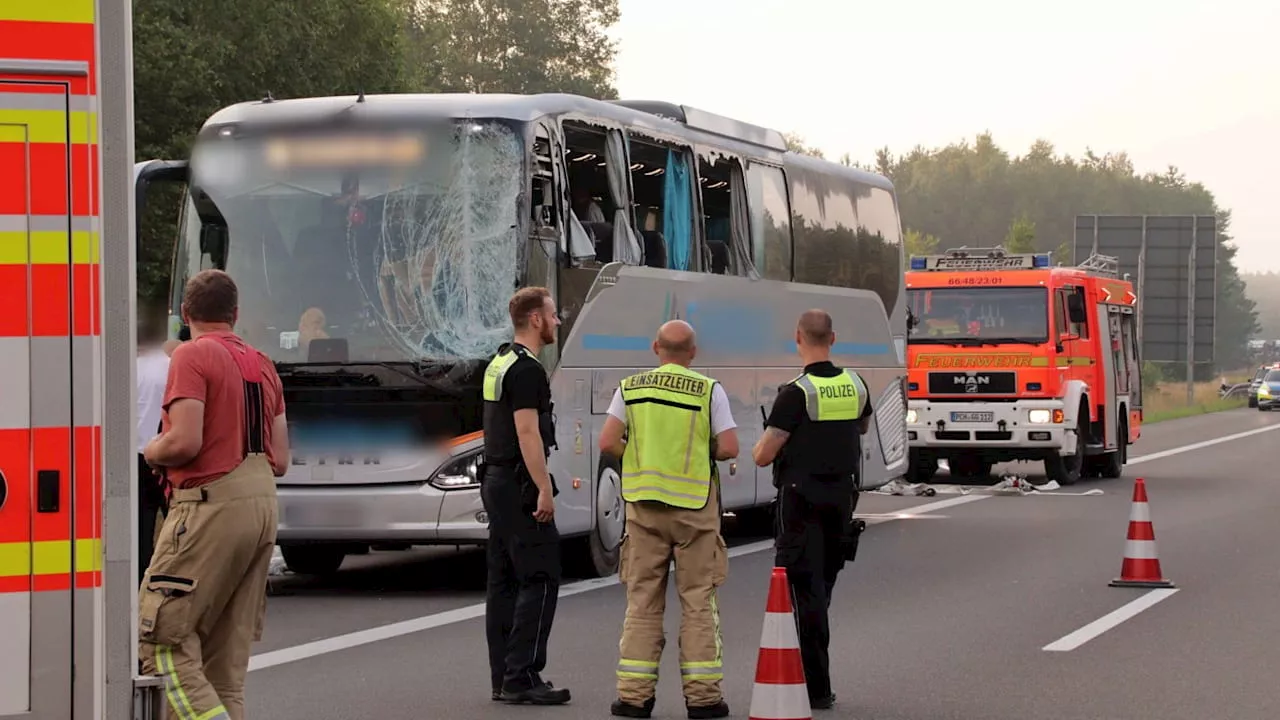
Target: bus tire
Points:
(313, 559)
(598, 551)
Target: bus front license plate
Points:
(972, 417)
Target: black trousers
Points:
(813, 523)
(523, 580)
(150, 501)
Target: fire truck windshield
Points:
(980, 315)
(405, 246)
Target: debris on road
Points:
(898, 486)
(1009, 484)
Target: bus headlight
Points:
(1039, 417)
(458, 473)
(911, 417)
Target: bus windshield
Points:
(403, 246)
(988, 314)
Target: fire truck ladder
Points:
(1102, 264)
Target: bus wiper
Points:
(418, 371)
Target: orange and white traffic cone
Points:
(780, 692)
(1141, 567)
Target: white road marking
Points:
(457, 615)
(1196, 446)
(1067, 643)
(470, 612)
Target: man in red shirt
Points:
(223, 441)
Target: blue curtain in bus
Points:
(677, 211)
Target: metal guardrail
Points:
(1237, 390)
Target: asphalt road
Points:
(945, 614)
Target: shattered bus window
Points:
(404, 255)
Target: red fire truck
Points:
(67, 446)
(1009, 358)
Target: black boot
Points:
(544, 694)
(699, 712)
(823, 703)
(622, 709)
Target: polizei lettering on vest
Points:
(838, 391)
(667, 381)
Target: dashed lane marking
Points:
(1070, 642)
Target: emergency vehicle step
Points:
(148, 698)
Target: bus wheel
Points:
(602, 542)
(313, 559)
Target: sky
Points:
(1187, 83)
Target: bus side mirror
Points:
(912, 320)
(1075, 308)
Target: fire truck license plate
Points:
(974, 417)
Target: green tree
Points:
(796, 143)
(918, 243)
(1021, 237)
(514, 46)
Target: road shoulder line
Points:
(1071, 641)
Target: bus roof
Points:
(662, 118)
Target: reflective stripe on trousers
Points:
(178, 699)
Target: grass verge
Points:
(1169, 402)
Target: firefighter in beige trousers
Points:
(203, 598)
(677, 423)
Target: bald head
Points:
(676, 342)
(814, 329)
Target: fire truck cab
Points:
(1009, 358)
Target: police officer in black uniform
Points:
(813, 437)
(518, 495)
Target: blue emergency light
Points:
(1041, 260)
(917, 263)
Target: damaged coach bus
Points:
(376, 241)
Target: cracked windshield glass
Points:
(403, 244)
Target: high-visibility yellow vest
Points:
(497, 371)
(668, 452)
(832, 398)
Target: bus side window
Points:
(825, 222)
(725, 219)
(663, 194)
(770, 221)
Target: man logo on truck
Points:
(971, 382)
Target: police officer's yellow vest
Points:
(832, 398)
(668, 452)
(497, 371)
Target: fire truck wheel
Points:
(1066, 470)
(921, 469)
(969, 466)
(1113, 462)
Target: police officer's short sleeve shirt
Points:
(789, 407)
(721, 416)
(526, 385)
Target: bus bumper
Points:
(416, 514)
(1019, 425)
